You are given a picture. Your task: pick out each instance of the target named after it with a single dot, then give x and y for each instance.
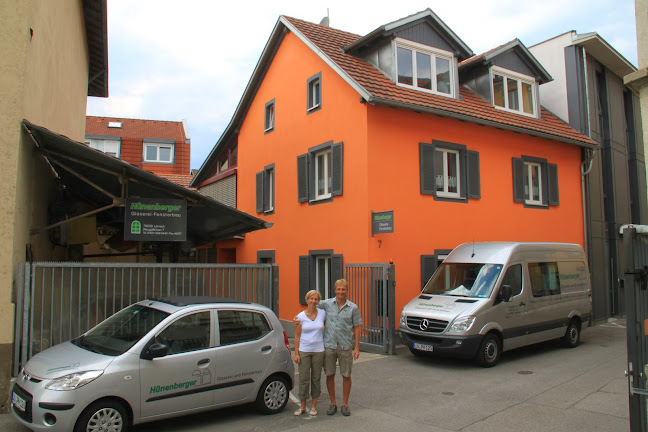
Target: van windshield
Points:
(120, 332)
(464, 279)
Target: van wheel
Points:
(489, 351)
(572, 335)
(104, 415)
(273, 395)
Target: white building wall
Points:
(551, 54)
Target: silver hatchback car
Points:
(157, 359)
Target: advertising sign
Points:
(382, 222)
(150, 219)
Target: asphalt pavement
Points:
(539, 388)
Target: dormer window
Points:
(513, 91)
(424, 68)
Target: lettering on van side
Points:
(175, 386)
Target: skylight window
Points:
(424, 68)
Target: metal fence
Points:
(635, 258)
(372, 288)
(58, 301)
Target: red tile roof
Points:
(136, 128)
(469, 106)
(179, 179)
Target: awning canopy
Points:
(94, 183)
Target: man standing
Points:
(341, 343)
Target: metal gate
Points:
(635, 258)
(372, 288)
(58, 301)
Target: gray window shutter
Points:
(426, 152)
(518, 180)
(552, 177)
(337, 272)
(472, 174)
(266, 191)
(302, 178)
(545, 183)
(259, 192)
(429, 264)
(337, 159)
(304, 285)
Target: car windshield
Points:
(120, 332)
(464, 279)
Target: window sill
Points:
(424, 90)
(512, 111)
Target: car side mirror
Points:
(155, 351)
(505, 293)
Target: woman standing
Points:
(309, 351)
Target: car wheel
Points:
(572, 335)
(489, 351)
(273, 395)
(105, 416)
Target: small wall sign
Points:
(150, 219)
(382, 222)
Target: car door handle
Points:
(203, 361)
(266, 348)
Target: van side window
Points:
(513, 278)
(545, 280)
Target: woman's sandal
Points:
(313, 412)
(300, 411)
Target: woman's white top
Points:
(312, 332)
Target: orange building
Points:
(334, 126)
(162, 147)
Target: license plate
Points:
(18, 402)
(423, 347)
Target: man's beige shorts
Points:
(338, 355)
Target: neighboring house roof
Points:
(137, 128)
(179, 179)
(542, 75)
(598, 47)
(376, 88)
(96, 25)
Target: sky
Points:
(191, 60)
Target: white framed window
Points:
(158, 153)
(323, 275)
(323, 174)
(513, 91)
(265, 190)
(314, 95)
(446, 172)
(320, 173)
(424, 68)
(532, 183)
(535, 182)
(110, 147)
(269, 122)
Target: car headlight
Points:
(73, 381)
(462, 325)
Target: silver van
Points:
(157, 359)
(490, 297)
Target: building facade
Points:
(588, 93)
(334, 127)
(54, 57)
(162, 147)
